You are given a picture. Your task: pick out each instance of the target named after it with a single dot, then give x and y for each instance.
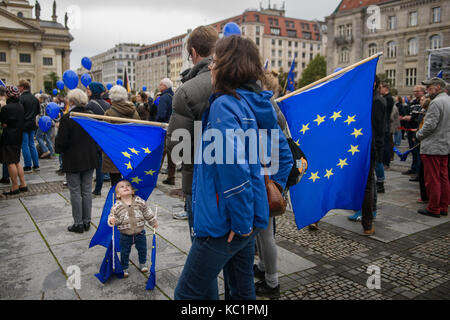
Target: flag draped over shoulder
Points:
(332, 124)
(291, 78)
(136, 150)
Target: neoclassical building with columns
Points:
(32, 48)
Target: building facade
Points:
(278, 38)
(403, 30)
(31, 48)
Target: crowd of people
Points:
(225, 205)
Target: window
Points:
(435, 42)
(280, 42)
(257, 30)
(372, 49)
(391, 49)
(392, 23)
(391, 76)
(303, 65)
(307, 35)
(275, 31)
(280, 63)
(303, 55)
(436, 15)
(292, 34)
(296, 44)
(341, 31)
(412, 19)
(257, 41)
(311, 47)
(20, 14)
(411, 77)
(289, 54)
(273, 63)
(48, 61)
(412, 47)
(349, 31)
(280, 53)
(25, 58)
(344, 56)
(257, 18)
(289, 43)
(273, 52)
(2, 56)
(310, 56)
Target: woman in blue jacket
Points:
(230, 201)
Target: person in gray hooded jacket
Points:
(189, 102)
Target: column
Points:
(39, 80)
(14, 62)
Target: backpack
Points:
(300, 164)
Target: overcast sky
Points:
(104, 23)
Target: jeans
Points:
(29, 149)
(5, 173)
(43, 138)
(379, 170)
(126, 242)
(99, 174)
(80, 186)
(188, 209)
(398, 138)
(267, 252)
(207, 257)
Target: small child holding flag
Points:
(129, 214)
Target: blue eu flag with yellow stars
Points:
(136, 150)
(331, 123)
(151, 282)
(291, 77)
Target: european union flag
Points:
(107, 268)
(136, 150)
(291, 77)
(332, 124)
(2, 83)
(151, 282)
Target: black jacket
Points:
(97, 105)
(378, 125)
(165, 106)
(13, 116)
(31, 108)
(79, 150)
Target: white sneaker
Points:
(125, 274)
(180, 215)
(144, 269)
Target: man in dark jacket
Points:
(97, 105)
(31, 107)
(165, 103)
(388, 140)
(189, 102)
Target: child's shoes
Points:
(143, 268)
(125, 273)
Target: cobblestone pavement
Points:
(411, 252)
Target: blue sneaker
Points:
(356, 216)
(180, 215)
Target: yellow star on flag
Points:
(129, 167)
(136, 180)
(297, 143)
(146, 150)
(357, 133)
(342, 163)
(329, 173)
(149, 173)
(336, 115)
(350, 120)
(314, 176)
(305, 128)
(353, 150)
(319, 119)
(126, 154)
(134, 151)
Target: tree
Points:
(50, 82)
(315, 70)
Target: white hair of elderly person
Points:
(118, 93)
(167, 82)
(77, 97)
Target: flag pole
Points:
(331, 76)
(126, 120)
(113, 247)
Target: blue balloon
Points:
(109, 86)
(230, 29)
(119, 82)
(53, 110)
(55, 92)
(45, 123)
(87, 63)
(70, 79)
(144, 88)
(40, 91)
(337, 70)
(86, 79)
(60, 85)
